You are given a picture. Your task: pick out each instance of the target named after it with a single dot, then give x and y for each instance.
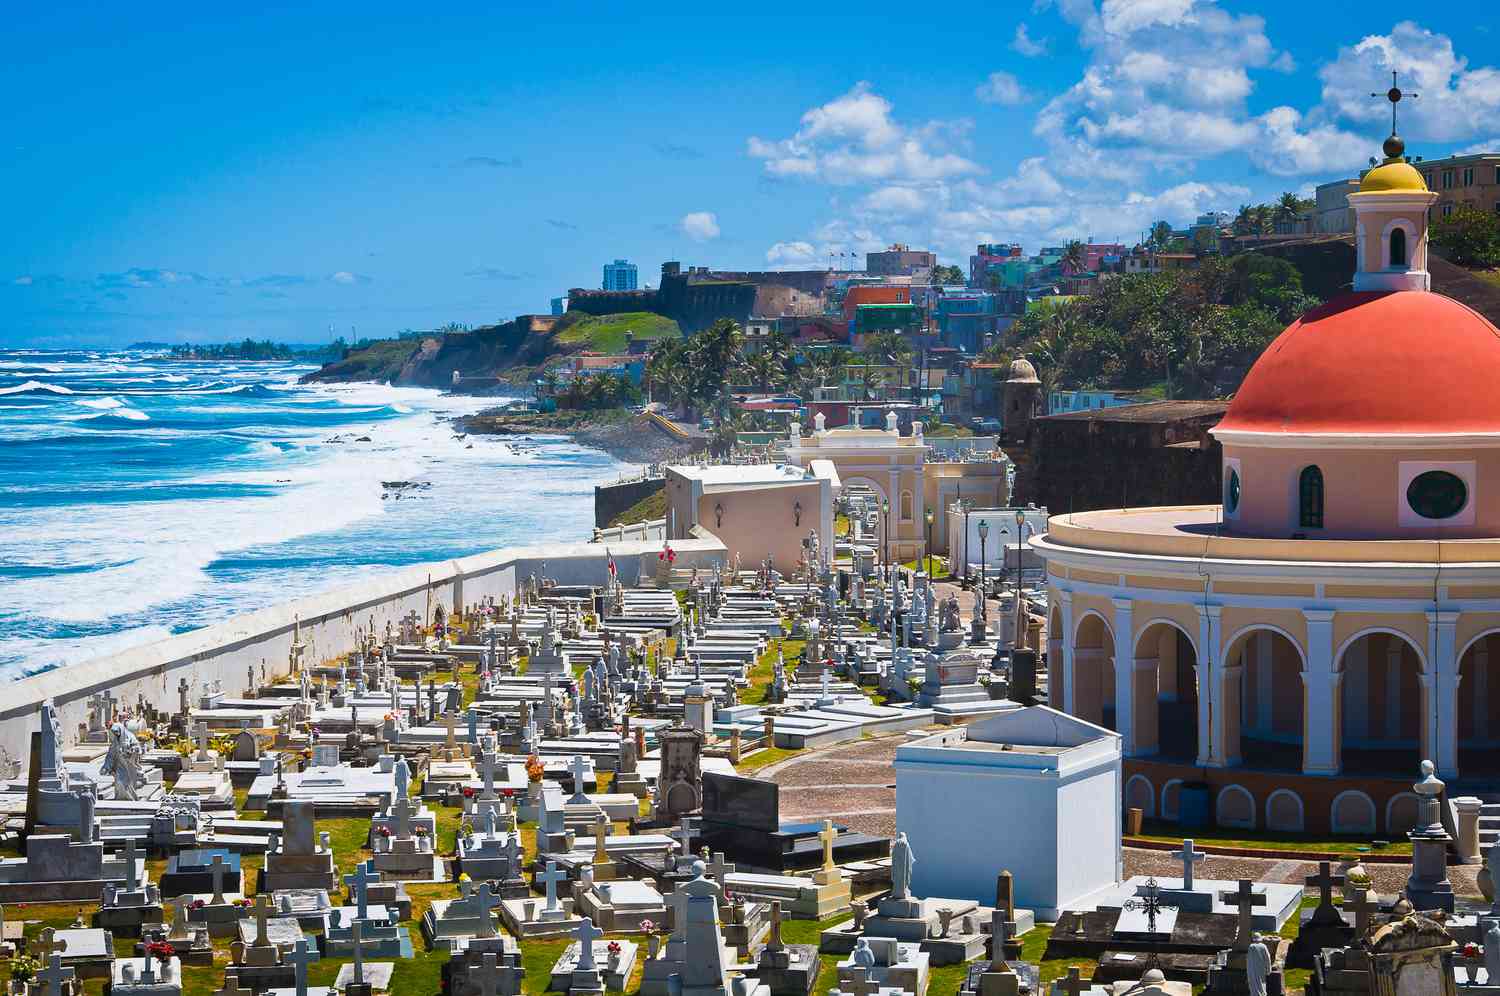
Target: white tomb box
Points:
(1033, 790)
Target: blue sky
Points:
(179, 173)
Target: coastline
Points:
(629, 438)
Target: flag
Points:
(611, 563)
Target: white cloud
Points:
(791, 255)
(1000, 88)
(700, 226)
(1456, 102)
(855, 139)
(898, 201)
(1123, 17)
(1290, 149)
(23, 281)
(1026, 45)
(348, 279)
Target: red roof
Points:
(875, 294)
(1371, 363)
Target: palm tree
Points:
(1243, 221)
(1261, 219)
(1161, 234)
(1288, 208)
(1074, 256)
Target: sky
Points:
(180, 173)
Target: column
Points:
(1069, 695)
(1320, 696)
(1227, 733)
(1125, 674)
(1208, 684)
(1442, 661)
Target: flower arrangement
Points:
(534, 768)
(511, 793)
(464, 877)
(242, 903)
(468, 792)
(1472, 950)
(421, 830)
(648, 926)
(161, 951)
(23, 968)
(198, 904)
(385, 831)
(614, 949)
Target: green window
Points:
(1310, 498)
(1437, 494)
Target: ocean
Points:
(142, 497)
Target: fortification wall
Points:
(247, 649)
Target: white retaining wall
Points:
(247, 649)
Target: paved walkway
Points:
(855, 783)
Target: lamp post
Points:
(885, 539)
(927, 547)
(1019, 637)
(984, 534)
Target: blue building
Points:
(965, 317)
(620, 276)
(1059, 402)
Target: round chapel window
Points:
(1437, 494)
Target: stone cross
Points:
(1189, 857)
(486, 976)
(828, 836)
(579, 767)
(359, 952)
(262, 909)
(132, 881)
(550, 878)
(717, 868)
(487, 771)
(1245, 899)
(300, 958)
(1073, 985)
(684, 836)
(216, 869)
(1326, 912)
(487, 901)
(859, 982)
(601, 831)
(54, 975)
(148, 970)
(507, 979)
(359, 882)
(48, 943)
(1362, 907)
(999, 934)
(586, 934)
(401, 814)
(201, 730)
(774, 942)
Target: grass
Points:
(1172, 834)
(653, 506)
(606, 333)
(938, 564)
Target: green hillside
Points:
(606, 333)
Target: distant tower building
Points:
(620, 276)
(1022, 398)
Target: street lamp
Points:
(885, 538)
(984, 534)
(927, 548)
(1019, 637)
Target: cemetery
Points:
(589, 789)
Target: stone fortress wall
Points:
(256, 646)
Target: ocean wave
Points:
(40, 367)
(105, 403)
(35, 387)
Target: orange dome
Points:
(1406, 362)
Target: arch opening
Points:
(1094, 672)
(1166, 694)
(1381, 701)
(1479, 707)
(1262, 711)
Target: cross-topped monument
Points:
(1325, 912)
(1189, 858)
(1395, 95)
(359, 882)
(1073, 985)
(550, 878)
(1362, 907)
(586, 934)
(1245, 899)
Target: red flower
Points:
(614, 947)
(385, 831)
(508, 793)
(468, 792)
(198, 904)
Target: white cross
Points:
(828, 836)
(586, 933)
(717, 869)
(300, 959)
(550, 878)
(487, 769)
(262, 907)
(131, 880)
(579, 767)
(684, 836)
(363, 877)
(1189, 858)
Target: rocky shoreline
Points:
(629, 438)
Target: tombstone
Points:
(1428, 887)
(300, 862)
(680, 781)
(1408, 957)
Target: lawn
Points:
(1169, 833)
(606, 333)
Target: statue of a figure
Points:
(403, 777)
(862, 956)
(950, 614)
(124, 762)
(902, 862)
(1492, 950)
(1257, 967)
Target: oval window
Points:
(1232, 492)
(1437, 494)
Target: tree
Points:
(947, 275)
(1288, 208)
(1075, 254)
(1468, 236)
(1161, 234)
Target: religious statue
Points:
(1257, 967)
(124, 762)
(1492, 950)
(862, 956)
(902, 862)
(403, 777)
(950, 623)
